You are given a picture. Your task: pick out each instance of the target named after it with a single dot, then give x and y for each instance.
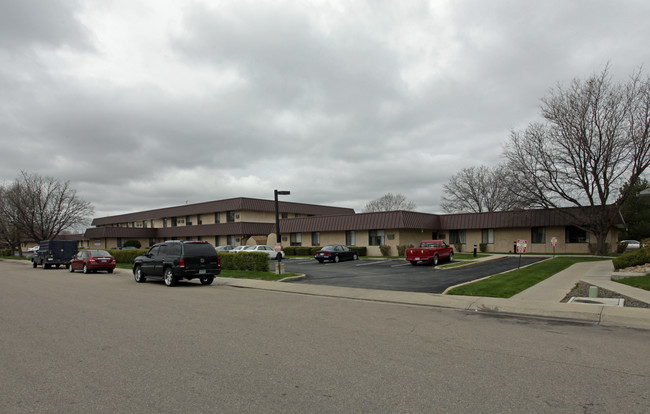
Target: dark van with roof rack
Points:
(174, 260)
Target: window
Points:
(487, 236)
(457, 237)
(538, 235)
(164, 222)
(188, 220)
(576, 235)
(174, 222)
(152, 226)
(144, 224)
(230, 240)
(217, 218)
(120, 242)
(296, 239)
(285, 215)
(315, 238)
(199, 219)
(230, 216)
(350, 238)
(375, 237)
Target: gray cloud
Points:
(149, 104)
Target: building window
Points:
(296, 239)
(230, 216)
(285, 215)
(350, 238)
(164, 222)
(230, 240)
(457, 237)
(576, 235)
(315, 238)
(487, 236)
(144, 224)
(152, 226)
(188, 220)
(217, 218)
(120, 243)
(538, 235)
(152, 242)
(174, 222)
(375, 237)
(199, 219)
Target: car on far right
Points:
(631, 244)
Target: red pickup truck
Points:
(430, 251)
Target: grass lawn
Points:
(508, 284)
(641, 282)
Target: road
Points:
(398, 275)
(75, 343)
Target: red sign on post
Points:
(521, 246)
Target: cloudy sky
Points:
(143, 104)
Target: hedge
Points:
(126, 256)
(254, 261)
(636, 258)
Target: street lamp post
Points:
(278, 242)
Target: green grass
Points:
(506, 285)
(641, 282)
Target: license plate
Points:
(201, 271)
(417, 258)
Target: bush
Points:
(132, 243)
(253, 261)
(401, 250)
(483, 247)
(458, 247)
(5, 252)
(303, 251)
(385, 250)
(126, 256)
(289, 251)
(620, 247)
(636, 258)
(362, 251)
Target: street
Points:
(78, 343)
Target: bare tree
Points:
(594, 141)
(8, 231)
(481, 189)
(390, 202)
(42, 207)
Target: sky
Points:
(144, 104)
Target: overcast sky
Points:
(143, 104)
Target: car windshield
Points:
(199, 249)
(95, 253)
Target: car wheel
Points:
(70, 269)
(138, 275)
(451, 257)
(34, 265)
(110, 270)
(414, 263)
(355, 257)
(206, 280)
(85, 270)
(336, 259)
(168, 277)
(435, 260)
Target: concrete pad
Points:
(597, 301)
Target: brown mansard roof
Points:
(232, 204)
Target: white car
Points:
(631, 244)
(34, 249)
(237, 249)
(265, 249)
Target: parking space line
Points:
(402, 264)
(374, 262)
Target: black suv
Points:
(174, 260)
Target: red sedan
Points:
(92, 261)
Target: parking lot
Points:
(399, 275)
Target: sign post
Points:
(521, 248)
(554, 244)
